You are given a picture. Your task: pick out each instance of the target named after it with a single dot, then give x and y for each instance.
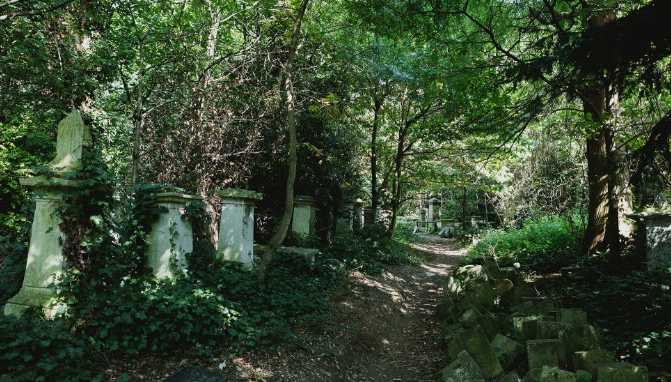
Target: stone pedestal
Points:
(304, 219)
(236, 229)
(45, 253)
(369, 216)
(345, 221)
(432, 216)
(171, 236)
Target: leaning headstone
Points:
(621, 372)
(493, 268)
(304, 220)
(482, 292)
(236, 228)
(546, 353)
(462, 369)
(508, 351)
(171, 236)
(192, 374)
(45, 252)
(503, 286)
(545, 307)
(550, 374)
(357, 214)
(445, 307)
(475, 342)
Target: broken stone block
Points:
(546, 353)
(462, 369)
(508, 351)
(474, 341)
(525, 328)
(445, 308)
(452, 287)
(621, 372)
(482, 292)
(550, 330)
(585, 360)
(550, 374)
(514, 296)
(575, 317)
(511, 377)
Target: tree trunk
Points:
(283, 228)
(374, 189)
(137, 119)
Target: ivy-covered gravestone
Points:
(45, 253)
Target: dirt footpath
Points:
(383, 328)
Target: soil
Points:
(381, 328)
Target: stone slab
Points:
(192, 374)
(574, 316)
(507, 350)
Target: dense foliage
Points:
(540, 246)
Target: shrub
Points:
(542, 246)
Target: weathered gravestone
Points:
(305, 216)
(655, 227)
(171, 236)
(236, 228)
(45, 253)
(192, 374)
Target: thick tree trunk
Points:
(283, 228)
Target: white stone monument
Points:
(45, 253)
(236, 228)
(357, 218)
(304, 219)
(171, 236)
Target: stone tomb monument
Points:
(236, 228)
(654, 229)
(45, 253)
(171, 236)
(304, 219)
(345, 222)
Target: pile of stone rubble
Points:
(539, 339)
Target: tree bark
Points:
(281, 233)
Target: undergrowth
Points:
(542, 246)
(631, 306)
(371, 249)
